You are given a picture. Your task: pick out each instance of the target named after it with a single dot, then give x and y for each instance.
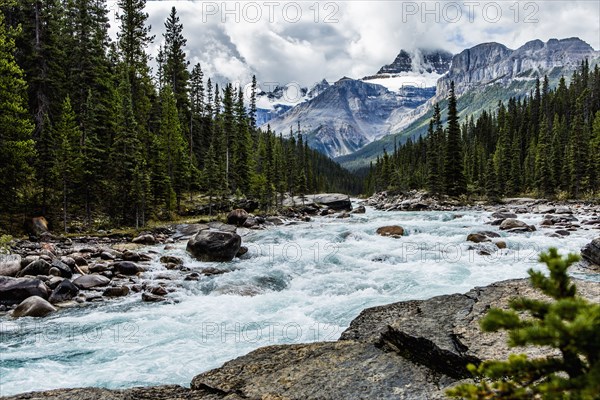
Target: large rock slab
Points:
(326, 371)
(210, 245)
(443, 332)
(15, 290)
(170, 392)
(333, 201)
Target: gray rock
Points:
(116, 291)
(359, 210)
(65, 291)
(188, 230)
(171, 260)
(129, 255)
(219, 226)
(152, 298)
(10, 265)
(337, 202)
(15, 290)
(211, 245)
(38, 267)
(503, 215)
(91, 281)
(515, 225)
(65, 270)
(170, 392)
(33, 306)
(323, 371)
(146, 239)
(237, 217)
(591, 252)
(126, 268)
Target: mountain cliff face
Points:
(483, 76)
(342, 118)
(491, 63)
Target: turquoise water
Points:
(300, 283)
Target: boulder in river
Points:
(15, 290)
(237, 217)
(591, 252)
(515, 225)
(38, 226)
(10, 265)
(477, 238)
(209, 245)
(333, 201)
(116, 291)
(33, 306)
(91, 281)
(393, 231)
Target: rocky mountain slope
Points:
(483, 76)
(346, 116)
(412, 349)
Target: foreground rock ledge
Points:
(407, 350)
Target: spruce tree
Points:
(543, 168)
(567, 324)
(453, 169)
(67, 156)
(16, 128)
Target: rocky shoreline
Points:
(406, 350)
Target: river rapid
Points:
(301, 282)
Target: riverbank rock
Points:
(33, 306)
(393, 231)
(37, 267)
(126, 268)
(65, 291)
(209, 245)
(10, 265)
(15, 290)
(237, 217)
(359, 210)
(91, 281)
(591, 252)
(145, 239)
(116, 291)
(477, 238)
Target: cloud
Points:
(304, 42)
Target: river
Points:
(300, 283)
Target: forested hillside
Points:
(546, 143)
(89, 131)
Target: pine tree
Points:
(67, 157)
(569, 324)
(543, 168)
(453, 169)
(16, 128)
(175, 64)
(577, 149)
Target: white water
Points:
(309, 281)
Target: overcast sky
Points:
(306, 41)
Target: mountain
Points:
(484, 75)
(494, 63)
(342, 118)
